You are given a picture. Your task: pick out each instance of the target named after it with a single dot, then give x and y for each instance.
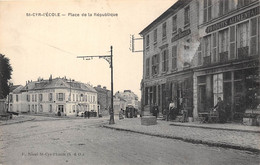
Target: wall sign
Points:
(234, 19)
(181, 34)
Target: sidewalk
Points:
(16, 119)
(220, 135)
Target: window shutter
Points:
(167, 59)
(64, 96)
(253, 37)
(232, 38)
(214, 47)
(57, 96)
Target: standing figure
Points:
(221, 110)
(155, 110)
(171, 110)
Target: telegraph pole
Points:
(109, 59)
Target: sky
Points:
(40, 46)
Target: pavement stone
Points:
(224, 135)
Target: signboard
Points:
(181, 34)
(233, 20)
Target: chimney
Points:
(104, 87)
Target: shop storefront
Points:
(236, 83)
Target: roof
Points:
(172, 10)
(17, 89)
(58, 83)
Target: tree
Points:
(5, 75)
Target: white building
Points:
(129, 97)
(51, 96)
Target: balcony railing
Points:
(223, 56)
(207, 60)
(242, 53)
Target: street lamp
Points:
(109, 59)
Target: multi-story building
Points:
(130, 97)
(68, 97)
(199, 50)
(170, 44)
(228, 56)
(104, 99)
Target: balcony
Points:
(223, 56)
(207, 60)
(242, 52)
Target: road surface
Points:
(83, 141)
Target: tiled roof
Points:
(58, 83)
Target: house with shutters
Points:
(169, 49)
(69, 97)
(199, 50)
(228, 56)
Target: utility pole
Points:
(109, 59)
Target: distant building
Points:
(104, 99)
(68, 97)
(119, 103)
(130, 98)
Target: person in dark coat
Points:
(220, 107)
(155, 110)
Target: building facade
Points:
(228, 56)
(170, 45)
(129, 96)
(51, 96)
(199, 50)
(104, 99)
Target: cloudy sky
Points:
(38, 46)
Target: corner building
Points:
(228, 56)
(170, 45)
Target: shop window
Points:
(238, 75)
(227, 76)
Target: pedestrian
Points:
(220, 107)
(171, 110)
(85, 114)
(121, 114)
(88, 114)
(155, 110)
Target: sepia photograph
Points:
(133, 82)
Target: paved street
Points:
(82, 141)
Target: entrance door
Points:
(60, 108)
(202, 98)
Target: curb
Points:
(194, 141)
(219, 128)
(18, 122)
